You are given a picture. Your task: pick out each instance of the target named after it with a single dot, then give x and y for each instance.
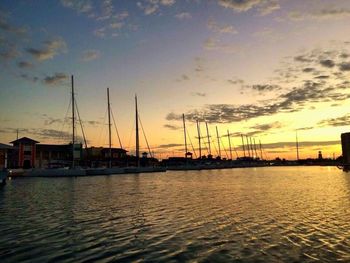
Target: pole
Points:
(248, 148)
(137, 135)
(229, 143)
(206, 124)
(73, 121)
(109, 130)
(243, 145)
(251, 146)
(183, 119)
(260, 150)
(199, 140)
(256, 154)
(217, 135)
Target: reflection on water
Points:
(278, 214)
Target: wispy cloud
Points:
(264, 6)
(214, 44)
(183, 16)
(336, 122)
(7, 27)
(49, 50)
(171, 127)
(198, 94)
(56, 79)
(311, 74)
(91, 54)
(150, 7)
(25, 64)
(214, 26)
(81, 6)
(323, 14)
(169, 145)
(8, 52)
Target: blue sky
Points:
(259, 67)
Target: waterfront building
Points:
(26, 152)
(6, 156)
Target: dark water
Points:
(286, 214)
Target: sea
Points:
(265, 214)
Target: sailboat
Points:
(73, 170)
(138, 168)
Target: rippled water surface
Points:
(275, 214)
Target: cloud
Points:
(236, 81)
(265, 87)
(42, 133)
(170, 145)
(116, 25)
(336, 122)
(50, 49)
(214, 44)
(305, 128)
(51, 121)
(323, 14)
(268, 7)
(214, 26)
(327, 63)
(7, 27)
(8, 53)
(100, 32)
(264, 6)
(184, 77)
(307, 70)
(25, 64)
(261, 129)
(150, 7)
(277, 145)
(91, 54)
(172, 127)
(345, 66)
(198, 94)
(290, 101)
(183, 16)
(29, 78)
(81, 6)
(122, 15)
(56, 79)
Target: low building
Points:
(100, 156)
(7, 156)
(26, 152)
(345, 145)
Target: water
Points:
(276, 214)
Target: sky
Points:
(267, 69)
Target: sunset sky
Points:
(263, 68)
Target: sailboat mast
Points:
(137, 135)
(206, 124)
(247, 145)
(217, 136)
(251, 146)
(297, 144)
(109, 130)
(229, 143)
(199, 140)
(260, 150)
(243, 145)
(256, 154)
(73, 120)
(183, 119)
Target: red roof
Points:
(24, 140)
